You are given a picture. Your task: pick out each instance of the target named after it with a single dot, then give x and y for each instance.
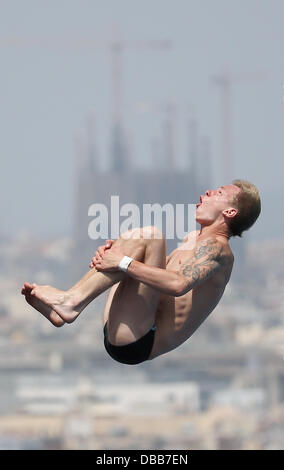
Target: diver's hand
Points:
(110, 260)
(100, 251)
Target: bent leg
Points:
(131, 306)
(69, 304)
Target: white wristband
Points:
(124, 263)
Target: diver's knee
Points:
(152, 232)
(148, 233)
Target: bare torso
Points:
(178, 317)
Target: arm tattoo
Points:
(204, 263)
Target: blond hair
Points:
(248, 203)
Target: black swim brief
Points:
(132, 353)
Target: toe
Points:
(27, 287)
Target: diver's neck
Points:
(211, 231)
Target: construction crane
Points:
(225, 82)
(116, 47)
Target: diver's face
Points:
(214, 202)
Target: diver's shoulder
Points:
(226, 260)
(222, 249)
(227, 255)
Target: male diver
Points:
(156, 302)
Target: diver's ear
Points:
(230, 212)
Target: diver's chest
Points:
(179, 257)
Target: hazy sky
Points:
(48, 90)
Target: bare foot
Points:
(44, 309)
(57, 301)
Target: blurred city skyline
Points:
(171, 97)
(57, 71)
